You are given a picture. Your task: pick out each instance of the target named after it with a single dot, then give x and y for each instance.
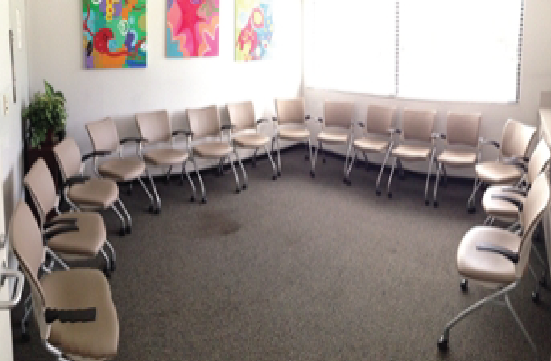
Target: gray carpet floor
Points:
(304, 269)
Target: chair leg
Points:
(157, 203)
(366, 161)
(520, 325)
(113, 255)
(203, 192)
(389, 193)
(128, 218)
(314, 158)
(193, 189)
(377, 185)
(471, 207)
(348, 150)
(122, 231)
(278, 157)
(436, 183)
(324, 160)
(444, 339)
(488, 221)
(274, 177)
(107, 267)
(151, 199)
(429, 173)
(308, 156)
(238, 189)
(254, 158)
(350, 165)
(245, 178)
(24, 321)
(57, 259)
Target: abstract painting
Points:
(254, 29)
(115, 34)
(192, 28)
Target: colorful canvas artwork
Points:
(254, 29)
(115, 34)
(192, 28)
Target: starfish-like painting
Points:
(192, 28)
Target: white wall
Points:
(536, 77)
(174, 84)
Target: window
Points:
(465, 50)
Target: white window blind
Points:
(350, 45)
(465, 50)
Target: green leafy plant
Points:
(46, 115)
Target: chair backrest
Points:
(535, 204)
(538, 160)
(204, 122)
(26, 244)
(242, 115)
(379, 119)
(463, 128)
(338, 114)
(41, 186)
(68, 157)
(103, 135)
(516, 138)
(154, 126)
(418, 124)
(290, 111)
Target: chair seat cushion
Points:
(76, 289)
(212, 149)
(411, 152)
(122, 169)
(294, 134)
(371, 145)
(167, 156)
(487, 266)
(331, 137)
(87, 241)
(252, 140)
(498, 173)
(457, 158)
(498, 208)
(95, 192)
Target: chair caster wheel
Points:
(464, 285)
(378, 193)
(245, 186)
(389, 194)
(204, 200)
(157, 211)
(274, 177)
(279, 174)
(344, 180)
(471, 210)
(113, 266)
(442, 344)
(122, 232)
(427, 202)
(151, 209)
(312, 174)
(106, 272)
(237, 190)
(435, 204)
(543, 280)
(192, 199)
(128, 229)
(535, 297)
(25, 337)
(348, 182)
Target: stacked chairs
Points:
(416, 143)
(497, 258)
(83, 192)
(515, 141)
(73, 308)
(290, 125)
(462, 145)
(337, 128)
(376, 138)
(105, 142)
(205, 127)
(243, 121)
(156, 133)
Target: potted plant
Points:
(46, 116)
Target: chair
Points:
(243, 120)
(205, 127)
(515, 140)
(497, 258)
(85, 193)
(156, 130)
(337, 128)
(418, 127)
(462, 145)
(376, 138)
(73, 308)
(105, 141)
(291, 125)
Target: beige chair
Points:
(337, 128)
(122, 169)
(462, 146)
(85, 193)
(157, 132)
(497, 258)
(291, 125)
(243, 121)
(417, 131)
(209, 142)
(73, 308)
(376, 138)
(515, 141)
